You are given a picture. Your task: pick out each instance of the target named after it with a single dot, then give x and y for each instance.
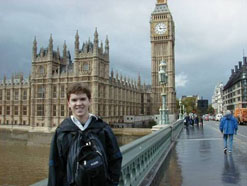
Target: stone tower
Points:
(91, 65)
(45, 64)
(162, 35)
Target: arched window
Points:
(85, 67)
(41, 70)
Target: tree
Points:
(177, 106)
(210, 109)
(189, 104)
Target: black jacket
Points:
(59, 174)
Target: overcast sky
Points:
(210, 37)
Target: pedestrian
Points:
(196, 119)
(229, 127)
(192, 119)
(84, 150)
(186, 120)
(201, 120)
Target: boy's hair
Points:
(77, 88)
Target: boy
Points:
(64, 145)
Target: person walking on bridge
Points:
(229, 127)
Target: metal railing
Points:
(141, 155)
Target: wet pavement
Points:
(198, 158)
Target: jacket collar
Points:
(69, 126)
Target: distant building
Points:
(235, 90)
(217, 98)
(202, 106)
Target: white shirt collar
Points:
(78, 123)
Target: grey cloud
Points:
(210, 37)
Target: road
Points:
(198, 158)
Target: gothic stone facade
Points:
(40, 101)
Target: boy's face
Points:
(79, 105)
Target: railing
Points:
(141, 155)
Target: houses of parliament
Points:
(40, 100)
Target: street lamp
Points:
(180, 109)
(164, 119)
(184, 112)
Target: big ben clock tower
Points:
(162, 35)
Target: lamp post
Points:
(164, 118)
(184, 111)
(180, 109)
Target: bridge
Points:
(190, 156)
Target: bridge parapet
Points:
(141, 155)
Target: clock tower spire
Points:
(162, 36)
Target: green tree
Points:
(189, 104)
(177, 106)
(211, 109)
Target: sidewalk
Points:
(198, 159)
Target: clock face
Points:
(160, 28)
